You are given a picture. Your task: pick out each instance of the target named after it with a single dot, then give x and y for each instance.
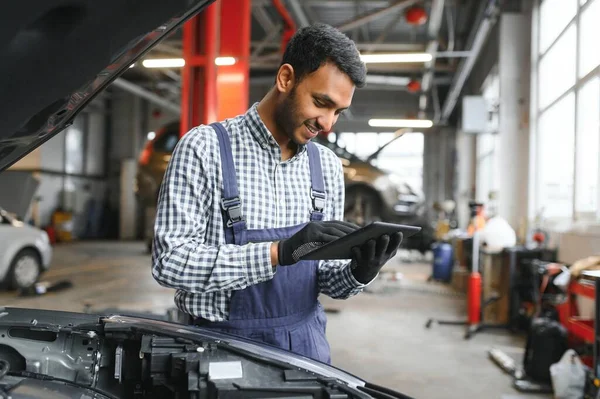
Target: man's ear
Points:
(285, 78)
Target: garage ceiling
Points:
(377, 26)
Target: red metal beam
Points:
(233, 80)
(289, 25)
(199, 75)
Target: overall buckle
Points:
(318, 200)
(233, 208)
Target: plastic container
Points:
(443, 261)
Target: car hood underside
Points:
(58, 55)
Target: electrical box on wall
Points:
(475, 115)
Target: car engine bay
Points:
(52, 354)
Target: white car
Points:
(25, 252)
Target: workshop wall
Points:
(464, 176)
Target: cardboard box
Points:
(460, 278)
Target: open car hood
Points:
(58, 355)
(58, 55)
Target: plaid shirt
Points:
(190, 252)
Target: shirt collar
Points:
(259, 130)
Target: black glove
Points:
(370, 257)
(313, 235)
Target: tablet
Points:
(342, 247)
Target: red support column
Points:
(233, 86)
(199, 75)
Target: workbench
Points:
(582, 328)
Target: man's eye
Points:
(319, 104)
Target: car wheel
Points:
(362, 207)
(24, 269)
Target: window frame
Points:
(537, 112)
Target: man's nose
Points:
(327, 121)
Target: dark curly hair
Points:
(313, 46)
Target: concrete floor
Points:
(378, 335)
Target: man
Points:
(243, 200)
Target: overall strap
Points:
(317, 190)
(235, 224)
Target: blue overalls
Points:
(283, 311)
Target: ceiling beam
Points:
(395, 47)
(386, 30)
(327, 3)
(299, 14)
(475, 43)
(433, 31)
(266, 64)
(146, 94)
(374, 15)
(263, 18)
(268, 39)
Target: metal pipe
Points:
(386, 30)
(374, 15)
(148, 95)
(435, 23)
(478, 37)
(263, 43)
(453, 54)
(263, 18)
(288, 21)
(299, 13)
(395, 47)
(450, 24)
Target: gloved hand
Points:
(313, 235)
(370, 257)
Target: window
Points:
(566, 119)
(589, 52)
(588, 148)
(556, 153)
(554, 17)
(557, 68)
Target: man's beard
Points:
(285, 115)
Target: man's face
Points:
(313, 106)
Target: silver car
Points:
(25, 252)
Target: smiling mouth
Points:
(312, 130)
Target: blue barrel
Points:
(443, 261)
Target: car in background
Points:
(25, 252)
(372, 194)
(153, 161)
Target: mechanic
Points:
(243, 200)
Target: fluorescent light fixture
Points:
(417, 123)
(395, 57)
(221, 61)
(164, 63)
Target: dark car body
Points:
(57, 56)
